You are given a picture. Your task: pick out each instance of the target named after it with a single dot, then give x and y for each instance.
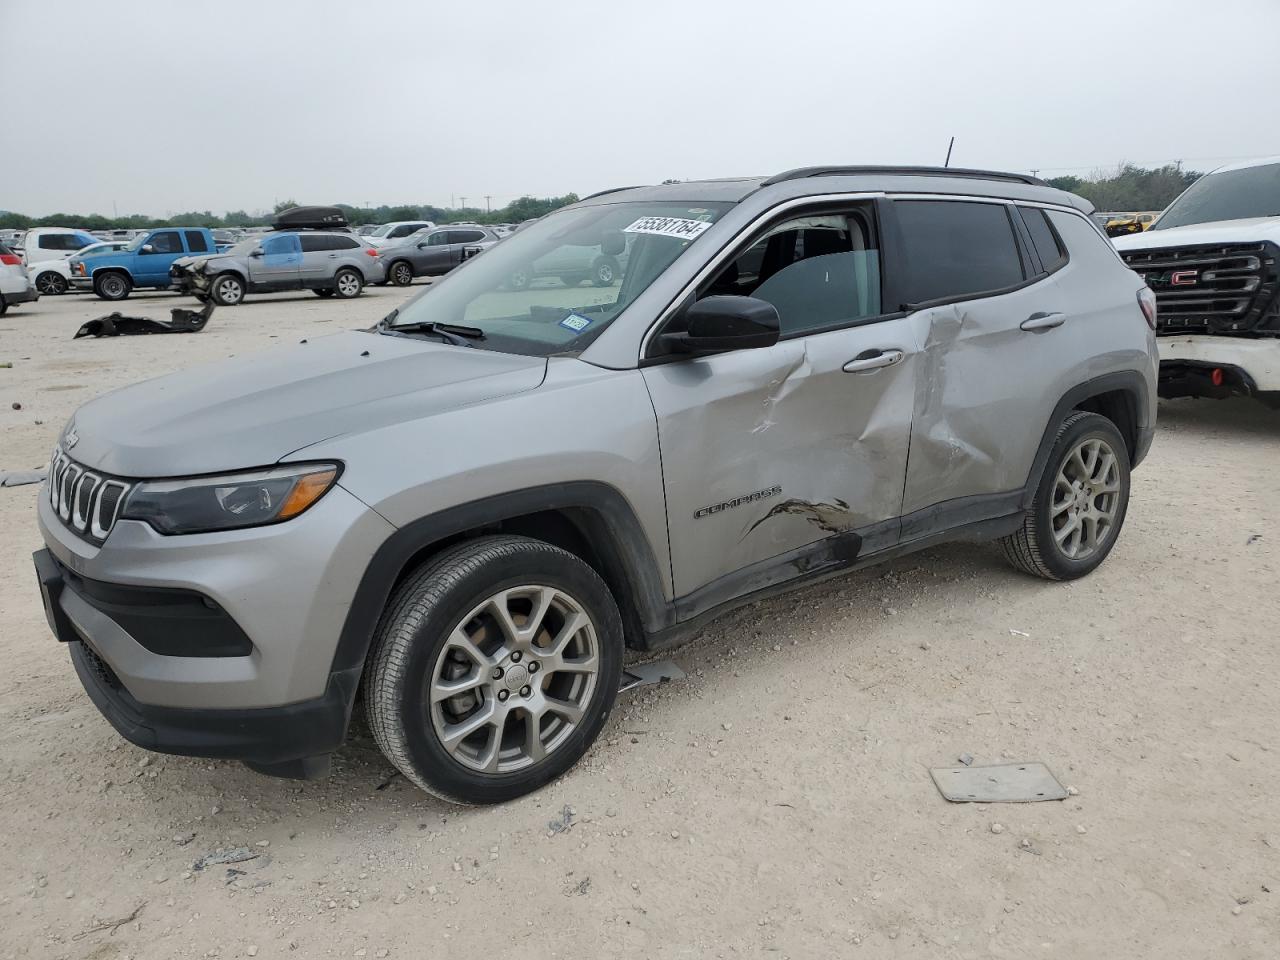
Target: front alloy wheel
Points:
(227, 290)
(494, 668)
(51, 284)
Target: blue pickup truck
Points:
(144, 262)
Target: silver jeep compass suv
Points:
(468, 512)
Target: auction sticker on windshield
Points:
(576, 322)
(668, 227)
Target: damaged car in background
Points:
(1213, 260)
(481, 502)
(308, 248)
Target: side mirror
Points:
(613, 243)
(422, 245)
(255, 252)
(148, 248)
(718, 324)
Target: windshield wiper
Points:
(455, 334)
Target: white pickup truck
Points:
(1213, 260)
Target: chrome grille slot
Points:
(87, 503)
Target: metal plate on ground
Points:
(644, 674)
(998, 783)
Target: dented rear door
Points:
(768, 451)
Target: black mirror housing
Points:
(256, 253)
(719, 324)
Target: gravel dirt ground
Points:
(775, 803)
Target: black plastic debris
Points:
(118, 325)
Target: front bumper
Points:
(81, 283)
(1258, 360)
(285, 588)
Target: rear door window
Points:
(313, 243)
(956, 249)
(1048, 247)
(466, 236)
(196, 242)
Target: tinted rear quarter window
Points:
(196, 242)
(465, 236)
(342, 243)
(1048, 247)
(312, 243)
(957, 248)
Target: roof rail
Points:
(601, 193)
(801, 172)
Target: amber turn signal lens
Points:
(307, 491)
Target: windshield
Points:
(243, 248)
(1229, 195)
(381, 231)
(554, 287)
(137, 242)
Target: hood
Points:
(1251, 230)
(196, 262)
(252, 411)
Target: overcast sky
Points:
(154, 107)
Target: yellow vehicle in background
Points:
(1126, 223)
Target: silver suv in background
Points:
(329, 263)
(433, 252)
(15, 284)
(472, 509)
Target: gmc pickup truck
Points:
(1213, 260)
(144, 262)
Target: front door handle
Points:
(333, 256)
(1043, 321)
(873, 360)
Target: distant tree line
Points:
(525, 208)
(1130, 188)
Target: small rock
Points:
(675, 834)
(215, 810)
(16, 405)
(144, 762)
(726, 726)
(69, 894)
(354, 904)
(997, 828)
(399, 898)
(361, 952)
(182, 839)
(264, 843)
(457, 867)
(891, 611)
(926, 645)
(1072, 791)
(431, 890)
(251, 950)
(1236, 911)
(777, 648)
(382, 953)
(1080, 828)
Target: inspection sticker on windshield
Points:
(668, 227)
(576, 322)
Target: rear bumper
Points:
(1253, 364)
(28, 295)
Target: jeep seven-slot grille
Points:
(1212, 288)
(87, 502)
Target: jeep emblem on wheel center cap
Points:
(516, 676)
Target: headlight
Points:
(230, 501)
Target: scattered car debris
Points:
(966, 759)
(1253, 538)
(111, 925)
(231, 855)
(1018, 633)
(562, 823)
(998, 783)
(117, 324)
(646, 674)
(18, 478)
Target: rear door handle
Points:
(1043, 321)
(873, 360)
(333, 256)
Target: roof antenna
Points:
(949, 146)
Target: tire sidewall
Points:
(100, 286)
(555, 569)
(597, 268)
(216, 287)
(397, 273)
(338, 290)
(1088, 426)
(55, 280)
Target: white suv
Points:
(48, 251)
(15, 285)
(1213, 260)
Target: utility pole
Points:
(487, 197)
(1035, 173)
(464, 202)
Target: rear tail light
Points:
(1147, 301)
(370, 251)
(10, 259)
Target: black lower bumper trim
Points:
(264, 737)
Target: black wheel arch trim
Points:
(1132, 385)
(615, 534)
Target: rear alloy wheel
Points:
(112, 286)
(51, 284)
(401, 273)
(1080, 504)
(347, 283)
(227, 290)
(494, 669)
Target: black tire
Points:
(520, 279)
(400, 273)
(4, 307)
(324, 292)
(202, 297)
(347, 283)
(51, 284)
(411, 638)
(112, 285)
(604, 271)
(227, 290)
(1033, 548)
